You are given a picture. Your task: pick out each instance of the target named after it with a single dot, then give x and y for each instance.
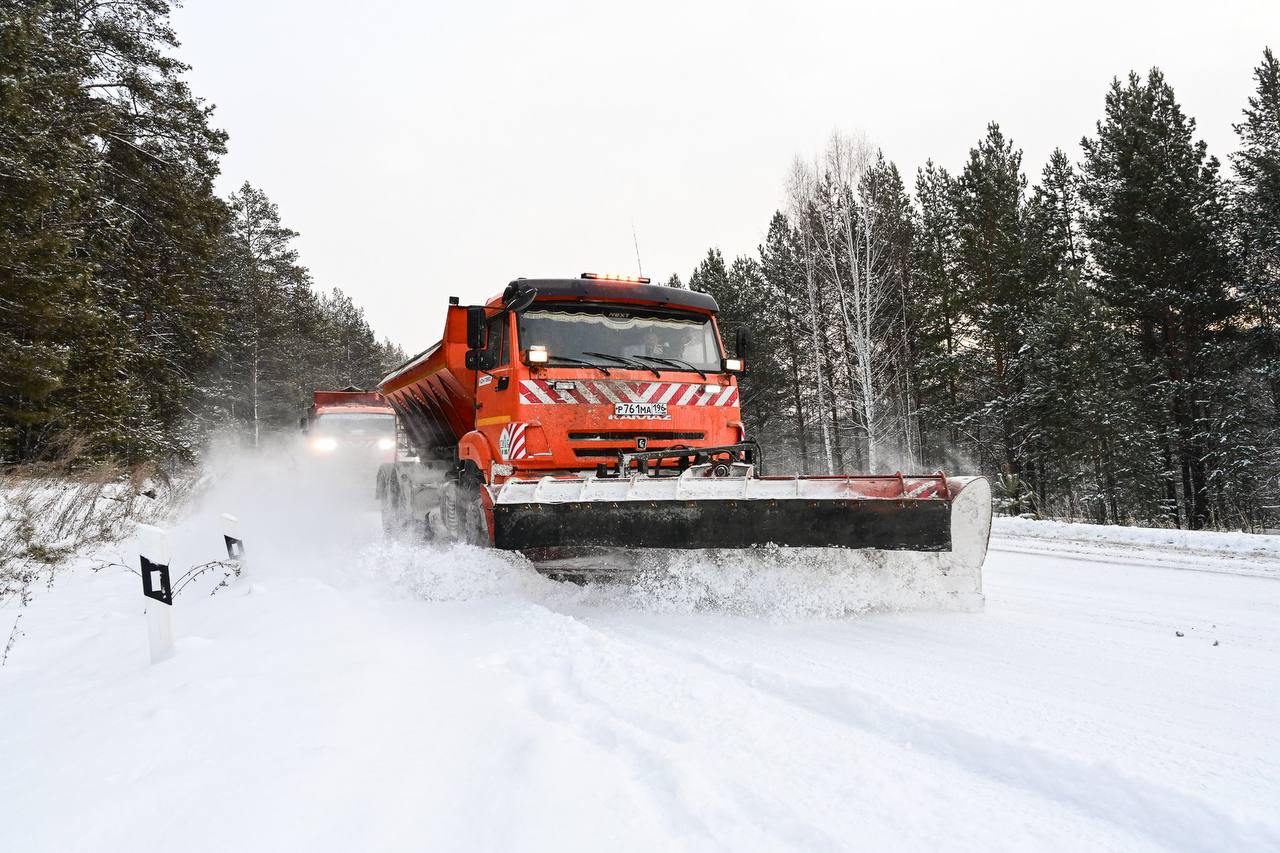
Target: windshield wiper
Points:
(629, 362)
(599, 367)
(675, 362)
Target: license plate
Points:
(640, 410)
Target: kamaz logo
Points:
(642, 443)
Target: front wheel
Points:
(462, 510)
(475, 530)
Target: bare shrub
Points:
(52, 511)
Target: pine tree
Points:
(783, 285)
(124, 162)
(1085, 390)
(47, 173)
(1255, 414)
(283, 340)
(1156, 224)
(747, 302)
(935, 316)
(988, 198)
(1257, 217)
(264, 282)
(358, 359)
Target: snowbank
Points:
(1245, 544)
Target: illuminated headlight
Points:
(710, 389)
(538, 354)
(733, 365)
(324, 445)
(386, 444)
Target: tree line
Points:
(1104, 344)
(138, 310)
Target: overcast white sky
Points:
(428, 149)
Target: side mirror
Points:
(479, 359)
(517, 297)
(476, 328)
(742, 343)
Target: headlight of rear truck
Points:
(324, 445)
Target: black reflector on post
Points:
(155, 581)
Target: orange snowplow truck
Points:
(351, 424)
(577, 419)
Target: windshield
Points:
(584, 335)
(356, 423)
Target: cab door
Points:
(496, 395)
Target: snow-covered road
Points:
(422, 700)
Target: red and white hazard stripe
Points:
(511, 442)
(609, 391)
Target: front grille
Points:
(601, 452)
(651, 434)
(607, 452)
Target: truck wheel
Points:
(461, 510)
(393, 521)
(475, 531)
(451, 510)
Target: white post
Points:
(231, 536)
(153, 554)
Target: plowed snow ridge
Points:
(350, 695)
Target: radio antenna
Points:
(636, 241)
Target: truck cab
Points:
(592, 370)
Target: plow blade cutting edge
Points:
(934, 526)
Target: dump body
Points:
(605, 414)
(433, 393)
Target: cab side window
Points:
(499, 341)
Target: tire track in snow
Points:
(745, 788)
(1166, 816)
(556, 690)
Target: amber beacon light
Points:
(608, 276)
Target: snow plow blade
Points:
(553, 518)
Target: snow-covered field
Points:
(1118, 693)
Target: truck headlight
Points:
(386, 443)
(538, 354)
(733, 365)
(324, 445)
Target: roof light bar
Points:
(608, 276)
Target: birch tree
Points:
(800, 201)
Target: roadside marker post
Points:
(154, 555)
(231, 536)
